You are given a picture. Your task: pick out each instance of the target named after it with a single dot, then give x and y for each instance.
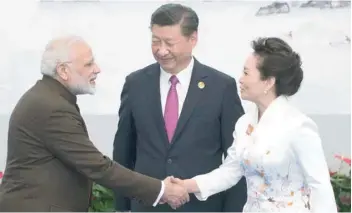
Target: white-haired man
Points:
(51, 161)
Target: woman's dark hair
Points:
(278, 60)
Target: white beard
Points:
(82, 86)
(80, 89)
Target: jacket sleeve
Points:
(309, 153)
(232, 110)
(65, 136)
(124, 150)
(222, 178)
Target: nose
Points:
(162, 51)
(240, 80)
(97, 69)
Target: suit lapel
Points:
(155, 101)
(193, 95)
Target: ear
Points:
(62, 71)
(194, 38)
(270, 83)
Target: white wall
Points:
(119, 35)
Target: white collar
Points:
(273, 110)
(184, 76)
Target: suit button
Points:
(169, 161)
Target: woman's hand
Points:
(190, 184)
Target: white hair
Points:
(57, 51)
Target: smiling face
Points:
(171, 48)
(253, 87)
(80, 73)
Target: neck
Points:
(264, 103)
(65, 85)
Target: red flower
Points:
(345, 199)
(332, 173)
(346, 160)
(1, 175)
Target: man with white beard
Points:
(51, 162)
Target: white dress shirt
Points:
(184, 78)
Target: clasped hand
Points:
(175, 193)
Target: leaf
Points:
(341, 184)
(104, 199)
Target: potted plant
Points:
(341, 184)
(102, 199)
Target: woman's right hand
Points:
(190, 184)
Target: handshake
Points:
(176, 192)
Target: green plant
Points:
(102, 199)
(341, 184)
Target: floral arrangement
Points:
(341, 184)
(102, 199)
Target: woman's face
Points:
(252, 88)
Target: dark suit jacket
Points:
(51, 161)
(204, 132)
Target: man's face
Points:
(171, 48)
(81, 71)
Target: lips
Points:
(92, 81)
(165, 60)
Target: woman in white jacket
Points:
(277, 148)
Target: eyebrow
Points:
(90, 61)
(166, 39)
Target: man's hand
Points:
(189, 184)
(175, 194)
(177, 181)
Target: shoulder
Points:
(60, 114)
(298, 125)
(141, 73)
(222, 81)
(57, 105)
(37, 100)
(37, 106)
(217, 74)
(297, 118)
(301, 130)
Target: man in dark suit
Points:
(51, 161)
(177, 116)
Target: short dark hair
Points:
(172, 14)
(278, 60)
